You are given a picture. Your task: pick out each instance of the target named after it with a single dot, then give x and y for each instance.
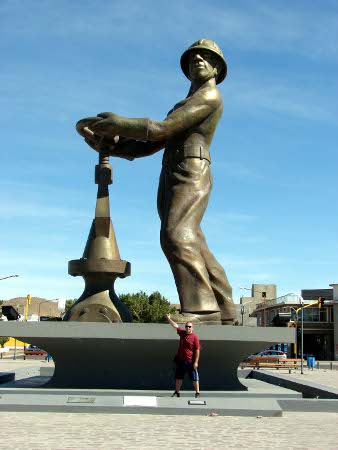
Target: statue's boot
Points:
(228, 312)
(213, 318)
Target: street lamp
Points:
(247, 289)
(243, 304)
(242, 312)
(295, 322)
(301, 302)
(48, 301)
(9, 276)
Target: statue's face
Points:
(202, 65)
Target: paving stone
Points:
(105, 431)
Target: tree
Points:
(3, 341)
(69, 303)
(147, 309)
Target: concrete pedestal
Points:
(139, 356)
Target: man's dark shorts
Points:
(183, 367)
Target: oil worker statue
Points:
(185, 181)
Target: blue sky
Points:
(272, 217)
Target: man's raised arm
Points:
(172, 323)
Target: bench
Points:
(285, 364)
(272, 363)
(37, 352)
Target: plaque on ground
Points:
(80, 399)
(140, 400)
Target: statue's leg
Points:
(183, 197)
(219, 281)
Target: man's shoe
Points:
(197, 395)
(176, 394)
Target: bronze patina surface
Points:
(185, 182)
(101, 263)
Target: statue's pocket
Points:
(194, 168)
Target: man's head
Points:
(189, 327)
(207, 52)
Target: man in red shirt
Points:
(187, 356)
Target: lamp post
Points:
(46, 301)
(242, 312)
(295, 321)
(301, 302)
(9, 276)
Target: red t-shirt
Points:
(189, 343)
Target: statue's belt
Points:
(178, 154)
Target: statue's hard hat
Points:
(205, 44)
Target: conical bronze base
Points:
(100, 265)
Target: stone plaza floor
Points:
(35, 430)
(106, 431)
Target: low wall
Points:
(139, 356)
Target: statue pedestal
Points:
(139, 356)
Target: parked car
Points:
(32, 350)
(266, 354)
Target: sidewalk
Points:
(54, 431)
(24, 368)
(326, 377)
(28, 430)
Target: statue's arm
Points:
(194, 111)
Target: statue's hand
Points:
(83, 126)
(99, 141)
(96, 142)
(108, 147)
(101, 144)
(104, 125)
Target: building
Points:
(259, 293)
(318, 323)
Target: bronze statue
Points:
(185, 182)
